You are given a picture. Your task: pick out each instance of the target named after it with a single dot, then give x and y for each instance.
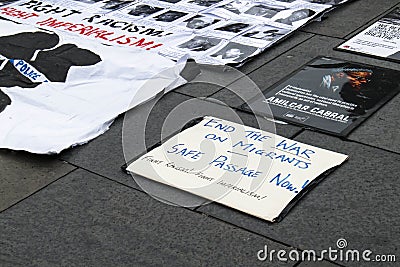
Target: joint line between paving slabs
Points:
(105, 177)
(372, 146)
(40, 189)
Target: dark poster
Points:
(329, 94)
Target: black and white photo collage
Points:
(209, 31)
(222, 31)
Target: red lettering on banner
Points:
(73, 27)
(99, 33)
(117, 38)
(13, 12)
(141, 43)
(84, 30)
(126, 41)
(50, 22)
(157, 45)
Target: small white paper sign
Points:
(251, 170)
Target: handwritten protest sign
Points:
(254, 171)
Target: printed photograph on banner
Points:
(171, 1)
(381, 39)
(116, 4)
(200, 43)
(287, 3)
(267, 33)
(327, 2)
(89, 1)
(294, 17)
(332, 95)
(169, 16)
(199, 22)
(204, 3)
(7, 2)
(236, 6)
(234, 52)
(264, 11)
(142, 10)
(259, 43)
(235, 27)
(245, 168)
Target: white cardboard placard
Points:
(254, 171)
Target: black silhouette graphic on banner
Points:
(28, 55)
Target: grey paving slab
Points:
(350, 17)
(279, 68)
(86, 220)
(358, 202)
(22, 174)
(200, 89)
(382, 129)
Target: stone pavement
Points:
(80, 208)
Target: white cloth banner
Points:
(60, 91)
(65, 88)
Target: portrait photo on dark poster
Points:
(330, 95)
